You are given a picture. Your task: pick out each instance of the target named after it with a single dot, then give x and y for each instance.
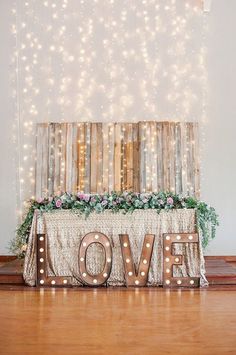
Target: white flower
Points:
(24, 247)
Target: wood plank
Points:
(57, 159)
(99, 150)
(183, 159)
(136, 158)
(228, 258)
(74, 169)
(154, 153)
(220, 272)
(196, 154)
(159, 159)
(117, 157)
(143, 149)
(94, 176)
(44, 170)
(172, 159)
(166, 155)
(6, 258)
(129, 153)
(51, 159)
(39, 161)
(63, 157)
(111, 151)
(87, 172)
(122, 170)
(80, 133)
(148, 155)
(12, 272)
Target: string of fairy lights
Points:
(108, 61)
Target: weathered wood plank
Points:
(99, 149)
(64, 143)
(51, 158)
(39, 161)
(153, 161)
(74, 170)
(136, 159)
(81, 156)
(117, 160)
(172, 143)
(96, 157)
(105, 160)
(129, 153)
(143, 149)
(111, 151)
(159, 160)
(183, 159)
(196, 154)
(87, 172)
(178, 160)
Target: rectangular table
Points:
(64, 230)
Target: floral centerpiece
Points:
(125, 202)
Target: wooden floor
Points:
(117, 321)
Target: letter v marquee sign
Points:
(133, 277)
(139, 277)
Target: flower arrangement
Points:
(126, 202)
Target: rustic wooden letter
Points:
(140, 277)
(42, 278)
(169, 260)
(88, 239)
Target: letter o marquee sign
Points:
(101, 278)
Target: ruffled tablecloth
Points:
(64, 230)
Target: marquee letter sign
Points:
(139, 277)
(42, 278)
(170, 260)
(88, 239)
(133, 277)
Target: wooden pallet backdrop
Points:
(99, 157)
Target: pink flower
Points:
(170, 201)
(86, 197)
(40, 200)
(58, 203)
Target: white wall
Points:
(219, 164)
(7, 148)
(219, 171)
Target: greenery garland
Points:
(207, 219)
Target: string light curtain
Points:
(103, 60)
(105, 157)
